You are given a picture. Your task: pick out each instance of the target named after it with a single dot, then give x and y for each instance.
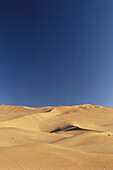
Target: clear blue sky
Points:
(56, 52)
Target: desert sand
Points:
(56, 138)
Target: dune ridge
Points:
(62, 137)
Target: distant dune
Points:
(56, 138)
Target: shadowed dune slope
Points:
(67, 137)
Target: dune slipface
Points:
(54, 138)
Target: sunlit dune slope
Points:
(67, 137)
(48, 119)
(8, 112)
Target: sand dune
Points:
(62, 137)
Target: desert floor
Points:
(56, 138)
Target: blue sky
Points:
(56, 52)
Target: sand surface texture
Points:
(56, 138)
